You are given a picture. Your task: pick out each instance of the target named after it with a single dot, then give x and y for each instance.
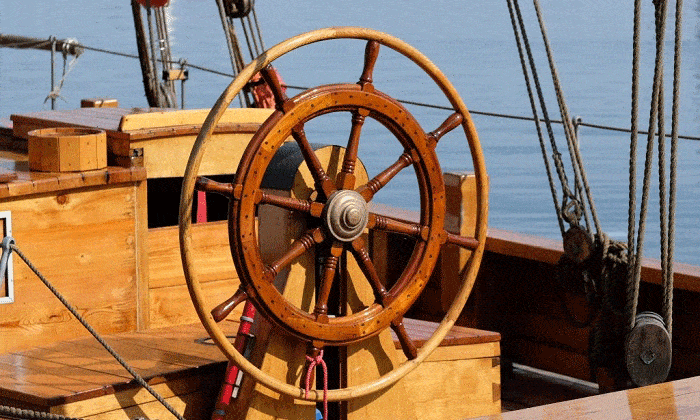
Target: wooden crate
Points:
(67, 149)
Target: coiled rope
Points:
(8, 246)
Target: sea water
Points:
(472, 42)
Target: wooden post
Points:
(460, 218)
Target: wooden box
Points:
(67, 149)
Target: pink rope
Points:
(313, 361)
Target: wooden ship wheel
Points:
(341, 211)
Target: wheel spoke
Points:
(270, 77)
(463, 241)
(305, 206)
(407, 345)
(330, 268)
(298, 247)
(378, 182)
(371, 54)
(389, 224)
(346, 178)
(322, 181)
(452, 122)
(361, 254)
(221, 311)
(208, 185)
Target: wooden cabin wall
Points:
(169, 299)
(91, 252)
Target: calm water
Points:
(472, 42)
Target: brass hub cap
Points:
(345, 215)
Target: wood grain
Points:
(670, 400)
(76, 241)
(80, 379)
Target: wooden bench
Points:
(78, 378)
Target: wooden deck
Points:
(79, 378)
(671, 400)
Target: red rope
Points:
(313, 361)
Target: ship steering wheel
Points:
(341, 208)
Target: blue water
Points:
(472, 42)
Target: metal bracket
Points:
(7, 289)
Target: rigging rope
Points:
(572, 141)
(556, 156)
(668, 277)
(67, 67)
(656, 119)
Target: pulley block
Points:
(648, 350)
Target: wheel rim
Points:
(188, 194)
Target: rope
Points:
(550, 178)
(56, 91)
(313, 362)
(634, 281)
(92, 331)
(668, 278)
(572, 142)
(18, 413)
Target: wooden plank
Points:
(142, 247)
(166, 157)
(670, 400)
(421, 330)
(104, 118)
(67, 378)
(211, 251)
(460, 218)
(172, 305)
(195, 406)
(28, 183)
(189, 395)
(80, 370)
(130, 122)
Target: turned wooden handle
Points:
(371, 54)
(221, 311)
(452, 122)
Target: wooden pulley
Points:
(578, 245)
(648, 350)
(238, 8)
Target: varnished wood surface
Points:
(26, 183)
(419, 331)
(672, 400)
(87, 242)
(81, 369)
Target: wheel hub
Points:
(345, 215)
